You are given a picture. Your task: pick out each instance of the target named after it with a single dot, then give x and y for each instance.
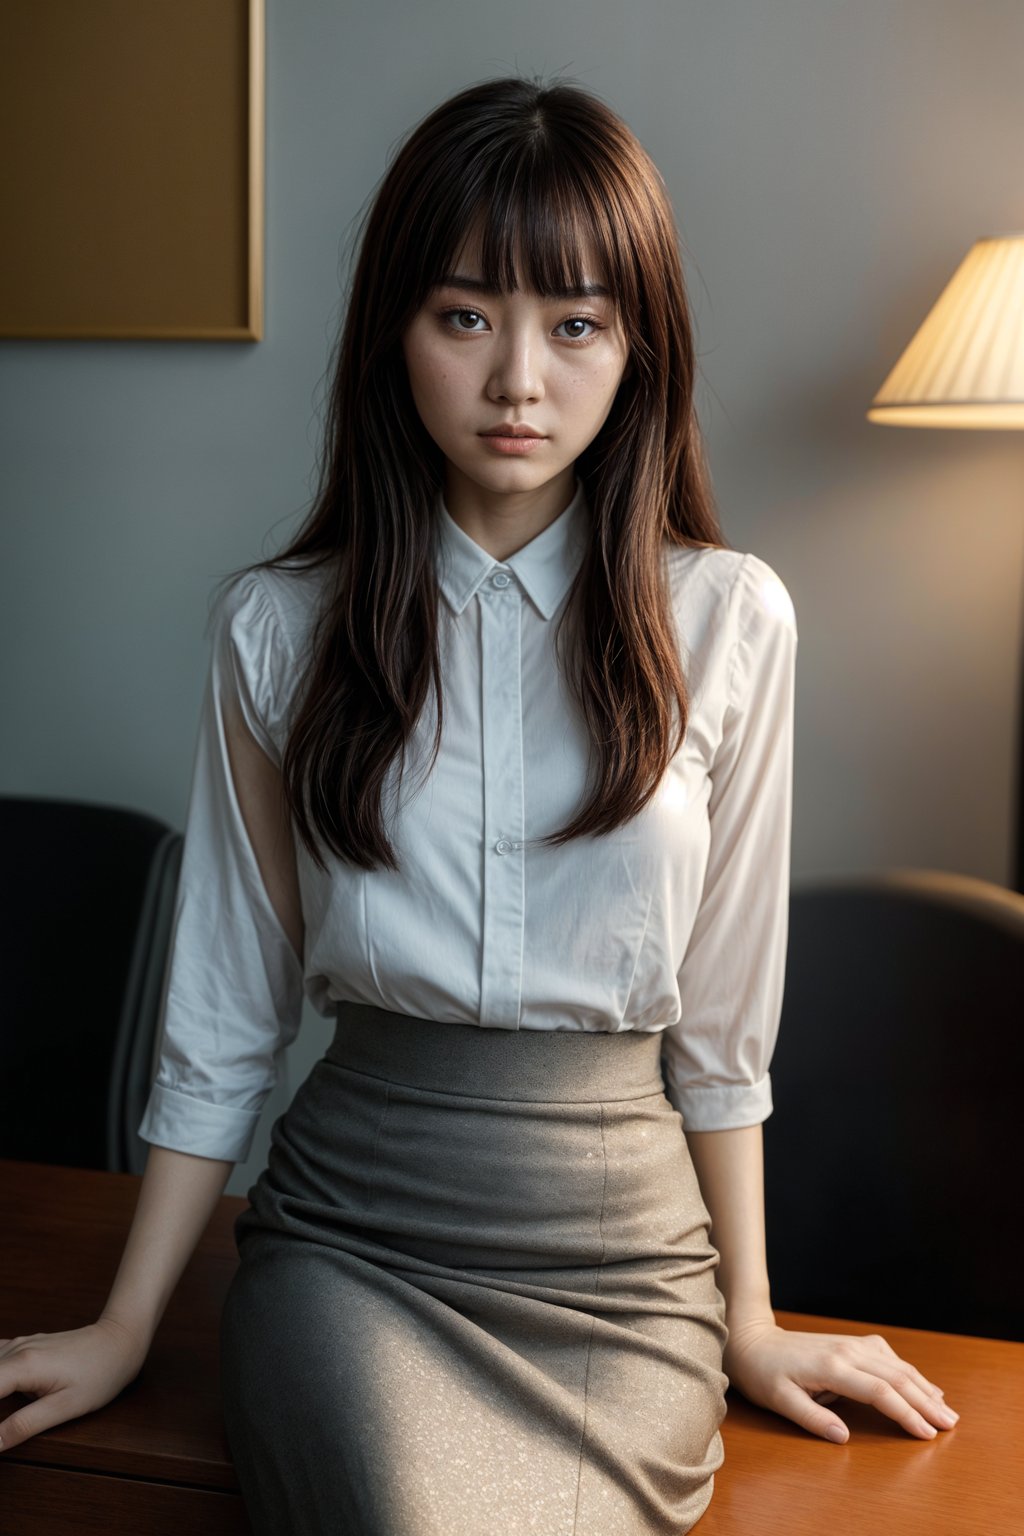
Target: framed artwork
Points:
(132, 168)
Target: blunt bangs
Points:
(543, 225)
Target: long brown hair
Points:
(546, 170)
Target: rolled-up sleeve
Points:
(715, 1060)
(233, 986)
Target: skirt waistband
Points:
(538, 1065)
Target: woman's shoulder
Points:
(713, 583)
(264, 615)
(284, 597)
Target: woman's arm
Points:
(78, 1370)
(180, 1191)
(259, 787)
(178, 1195)
(793, 1373)
(730, 1171)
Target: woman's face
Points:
(478, 360)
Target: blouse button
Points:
(503, 845)
(500, 579)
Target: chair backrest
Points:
(893, 1153)
(86, 917)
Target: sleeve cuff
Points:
(722, 1108)
(187, 1124)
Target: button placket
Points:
(504, 802)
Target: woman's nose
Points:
(516, 368)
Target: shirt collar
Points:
(544, 567)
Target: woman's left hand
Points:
(795, 1374)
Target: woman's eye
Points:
(454, 316)
(582, 320)
(458, 313)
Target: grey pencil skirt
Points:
(476, 1293)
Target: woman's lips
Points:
(513, 445)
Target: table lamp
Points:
(964, 367)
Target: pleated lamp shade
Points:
(964, 367)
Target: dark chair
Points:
(893, 1156)
(86, 910)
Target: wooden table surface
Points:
(62, 1232)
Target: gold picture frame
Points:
(132, 165)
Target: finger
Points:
(880, 1342)
(893, 1392)
(916, 1388)
(42, 1413)
(796, 1404)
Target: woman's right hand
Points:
(68, 1374)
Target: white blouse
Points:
(677, 921)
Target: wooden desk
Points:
(156, 1458)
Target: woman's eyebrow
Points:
(475, 285)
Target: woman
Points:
(477, 1289)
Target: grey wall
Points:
(829, 165)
